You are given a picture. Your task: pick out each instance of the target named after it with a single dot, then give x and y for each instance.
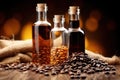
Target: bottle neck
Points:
(74, 20)
(58, 24)
(42, 16)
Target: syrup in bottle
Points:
(41, 36)
(76, 36)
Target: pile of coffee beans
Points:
(58, 55)
(76, 66)
(43, 57)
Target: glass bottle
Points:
(41, 36)
(76, 36)
(59, 43)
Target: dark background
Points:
(106, 34)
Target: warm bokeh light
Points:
(91, 24)
(11, 26)
(26, 32)
(96, 14)
(94, 46)
(86, 43)
(81, 23)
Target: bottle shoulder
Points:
(75, 30)
(59, 29)
(42, 23)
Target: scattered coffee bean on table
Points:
(76, 65)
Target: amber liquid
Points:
(76, 39)
(59, 49)
(41, 43)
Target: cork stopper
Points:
(58, 18)
(74, 9)
(41, 7)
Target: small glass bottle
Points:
(59, 42)
(41, 36)
(76, 36)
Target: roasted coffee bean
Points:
(19, 65)
(90, 71)
(58, 55)
(76, 65)
(107, 72)
(85, 71)
(66, 70)
(34, 69)
(46, 74)
(71, 73)
(15, 67)
(113, 69)
(6, 68)
(37, 70)
(62, 71)
(98, 70)
(47, 67)
(53, 73)
(97, 65)
(80, 67)
(76, 77)
(107, 69)
(24, 69)
(83, 76)
(43, 57)
(72, 76)
(41, 71)
(78, 72)
(74, 70)
(113, 72)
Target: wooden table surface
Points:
(29, 75)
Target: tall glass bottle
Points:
(76, 36)
(41, 36)
(59, 42)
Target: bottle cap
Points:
(41, 7)
(74, 9)
(59, 18)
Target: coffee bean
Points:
(83, 76)
(24, 69)
(76, 65)
(113, 69)
(74, 70)
(6, 68)
(41, 71)
(107, 72)
(113, 72)
(46, 74)
(71, 73)
(72, 77)
(90, 71)
(107, 69)
(78, 72)
(98, 70)
(77, 77)
(66, 70)
(34, 69)
(62, 71)
(53, 73)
